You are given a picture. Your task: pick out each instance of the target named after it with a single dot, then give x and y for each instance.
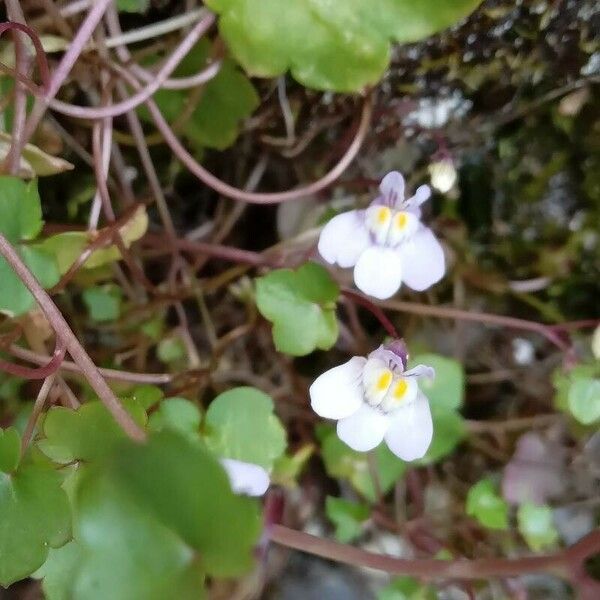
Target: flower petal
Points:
(364, 430)
(420, 371)
(246, 478)
(422, 194)
(422, 260)
(337, 393)
(378, 272)
(411, 429)
(392, 188)
(344, 238)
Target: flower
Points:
(386, 243)
(376, 398)
(246, 478)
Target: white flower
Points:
(443, 175)
(246, 478)
(375, 398)
(386, 243)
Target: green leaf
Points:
(171, 349)
(184, 487)
(447, 390)
(240, 424)
(562, 381)
(485, 505)
(103, 303)
(35, 514)
(21, 221)
(536, 525)
(448, 431)
(87, 433)
(10, 449)
(225, 101)
(133, 6)
(301, 306)
(126, 550)
(59, 570)
(407, 588)
(347, 517)
(345, 463)
(341, 46)
(176, 414)
(584, 399)
(287, 468)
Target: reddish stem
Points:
(41, 372)
(374, 309)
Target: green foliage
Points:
(485, 504)
(345, 463)
(181, 485)
(301, 306)
(20, 222)
(133, 6)
(224, 102)
(35, 515)
(536, 525)
(10, 449)
(407, 588)
(177, 414)
(584, 400)
(126, 550)
(103, 303)
(58, 572)
(348, 517)
(287, 468)
(341, 46)
(447, 390)
(240, 424)
(446, 396)
(171, 349)
(85, 434)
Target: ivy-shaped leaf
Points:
(341, 46)
(536, 525)
(177, 414)
(126, 551)
(485, 504)
(447, 390)
(225, 101)
(348, 518)
(584, 399)
(88, 433)
(181, 485)
(59, 570)
(20, 222)
(345, 463)
(35, 515)
(10, 449)
(301, 306)
(103, 303)
(240, 424)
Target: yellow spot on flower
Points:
(383, 214)
(383, 381)
(400, 390)
(401, 220)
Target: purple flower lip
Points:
(394, 353)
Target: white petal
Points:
(378, 272)
(344, 238)
(422, 260)
(410, 431)
(392, 187)
(246, 478)
(378, 219)
(404, 225)
(420, 371)
(337, 393)
(401, 393)
(377, 378)
(422, 194)
(364, 430)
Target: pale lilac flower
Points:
(376, 398)
(246, 478)
(386, 244)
